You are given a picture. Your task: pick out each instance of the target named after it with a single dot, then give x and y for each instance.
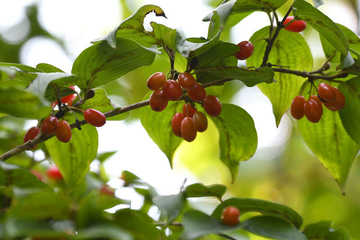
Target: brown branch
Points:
(311, 75)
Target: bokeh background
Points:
(283, 169)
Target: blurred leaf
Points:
(303, 10)
(158, 126)
(318, 3)
(23, 104)
(22, 178)
(20, 67)
(197, 224)
(264, 207)
(291, 50)
(323, 231)
(199, 190)
(326, 139)
(272, 227)
(238, 137)
(170, 205)
(219, 63)
(102, 157)
(101, 64)
(104, 231)
(48, 68)
(73, 158)
(104, 104)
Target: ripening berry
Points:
(197, 94)
(326, 92)
(69, 99)
(157, 101)
(31, 134)
(246, 50)
(49, 125)
(200, 121)
(63, 132)
(54, 173)
(188, 110)
(176, 123)
(212, 106)
(94, 117)
(313, 111)
(230, 215)
(188, 131)
(186, 80)
(297, 107)
(317, 99)
(156, 81)
(296, 26)
(172, 90)
(338, 103)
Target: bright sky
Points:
(80, 21)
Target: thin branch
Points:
(311, 75)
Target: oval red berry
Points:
(246, 50)
(297, 107)
(63, 132)
(49, 125)
(296, 26)
(94, 117)
(230, 215)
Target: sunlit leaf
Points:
(238, 137)
(48, 68)
(324, 231)
(326, 139)
(290, 50)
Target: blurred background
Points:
(283, 169)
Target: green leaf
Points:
(101, 64)
(170, 205)
(264, 207)
(48, 68)
(326, 139)
(73, 158)
(303, 10)
(219, 63)
(290, 50)
(350, 114)
(103, 231)
(22, 178)
(158, 126)
(104, 104)
(238, 137)
(323, 231)
(199, 190)
(21, 103)
(102, 157)
(197, 224)
(272, 227)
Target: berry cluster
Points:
(329, 96)
(230, 215)
(190, 121)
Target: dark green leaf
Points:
(238, 137)
(158, 126)
(326, 139)
(324, 231)
(105, 231)
(197, 224)
(48, 68)
(303, 10)
(291, 50)
(73, 158)
(22, 178)
(350, 114)
(199, 190)
(171, 205)
(264, 207)
(272, 227)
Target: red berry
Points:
(63, 132)
(94, 117)
(188, 110)
(54, 173)
(317, 99)
(156, 81)
(200, 121)
(176, 123)
(49, 125)
(69, 99)
(31, 134)
(338, 103)
(197, 94)
(246, 50)
(157, 101)
(186, 80)
(326, 92)
(313, 111)
(172, 90)
(212, 106)
(295, 26)
(188, 131)
(230, 215)
(297, 107)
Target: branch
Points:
(311, 75)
